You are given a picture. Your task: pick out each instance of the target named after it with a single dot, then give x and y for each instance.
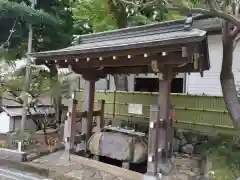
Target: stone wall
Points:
(188, 143)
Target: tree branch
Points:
(130, 3)
(219, 14)
(235, 32)
(10, 35)
(214, 10)
(141, 5)
(236, 42)
(213, 5)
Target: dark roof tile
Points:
(166, 33)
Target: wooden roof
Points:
(133, 50)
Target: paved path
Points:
(87, 169)
(83, 168)
(12, 174)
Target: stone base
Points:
(186, 169)
(149, 177)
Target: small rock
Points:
(179, 134)
(182, 142)
(194, 139)
(187, 172)
(188, 149)
(195, 170)
(198, 149)
(31, 156)
(186, 156)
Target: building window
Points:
(152, 85)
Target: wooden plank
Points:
(121, 61)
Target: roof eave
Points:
(168, 42)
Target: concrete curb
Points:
(12, 155)
(24, 166)
(32, 156)
(15, 156)
(20, 161)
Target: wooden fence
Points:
(193, 112)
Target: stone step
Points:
(185, 162)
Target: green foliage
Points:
(102, 15)
(42, 83)
(94, 14)
(22, 12)
(48, 38)
(52, 25)
(225, 157)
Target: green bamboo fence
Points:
(191, 112)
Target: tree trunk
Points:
(228, 83)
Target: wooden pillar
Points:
(70, 123)
(165, 127)
(152, 144)
(73, 119)
(100, 118)
(88, 105)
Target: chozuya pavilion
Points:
(166, 48)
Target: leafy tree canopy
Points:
(52, 25)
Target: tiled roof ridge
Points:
(156, 28)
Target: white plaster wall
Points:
(5, 122)
(210, 83)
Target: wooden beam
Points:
(125, 52)
(85, 114)
(120, 61)
(133, 70)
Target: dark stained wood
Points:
(119, 61)
(88, 106)
(164, 116)
(85, 114)
(134, 70)
(126, 52)
(73, 121)
(100, 118)
(153, 141)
